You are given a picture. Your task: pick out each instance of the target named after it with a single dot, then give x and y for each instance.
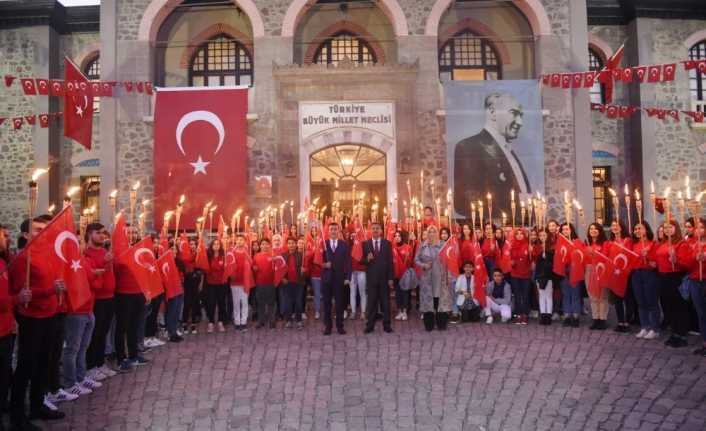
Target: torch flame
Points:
(577, 205)
(38, 173)
(51, 208)
(136, 185)
(182, 199)
(114, 193)
(72, 191)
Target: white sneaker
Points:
(404, 315)
(157, 342)
(489, 320)
(316, 315)
(399, 316)
(221, 328)
(107, 371)
(345, 314)
(78, 390)
(209, 328)
(90, 383)
(651, 335)
(96, 374)
(641, 334)
(50, 405)
(60, 396)
(555, 316)
(150, 342)
(303, 316)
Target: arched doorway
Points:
(352, 175)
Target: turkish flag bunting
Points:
(562, 255)
(128, 86)
(597, 107)
(184, 251)
(201, 261)
(78, 106)
(95, 88)
(651, 112)
(170, 275)
(639, 73)
(661, 114)
(617, 74)
(612, 111)
(8, 80)
(140, 261)
(57, 87)
(449, 255)
(701, 66)
(140, 87)
(588, 79)
(689, 64)
(556, 80)
(668, 71)
(578, 264)
(44, 120)
(546, 79)
(106, 89)
(148, 88)
(280, 268)
(565, 80)
(674, 114)
(576, 80)
(28, 86)
(654, 73)
(119, 238)
(627, 75)
(697, 116)
(43, 86)
(17, 122)
(602, 270)
(623, 261)
(31, 119)
(199, 148)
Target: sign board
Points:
(318, 117)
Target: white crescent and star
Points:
(165, 269)
(140, 252)
(229, 255)
(212, 119)
(600, 269)
(618, 258)
(59, 241)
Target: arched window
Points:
(345, 45)
(221, 60)
(92, 70)
(467, 57)
(697, 79)
(595, 63)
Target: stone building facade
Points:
(156, 40)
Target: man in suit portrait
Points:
(335, 276)
(486, 162)
(379, 278)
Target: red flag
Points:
(199, 143)
(78, 107)
(201, 260)
(358, 238)
(43, 86)
(280, 268)
(28, 86)
(651, 112)
(170, 275)
(8, 80)
(674, 113)
(576, 80)
(653, 73)
(611, 64)
(139, 86)
(248, 278)
(184, 251)
(617, 74)
(95, 88)
(545, 79)
(626, 111)
(57, 87)
(565, 80)
(588, 79)
(668, 71)
(626, 75)
(119, 238)
(505, 261)
(697, 116)
(597, 107)
(562, 255)
(140, 261)
(481, 272)
(602, 272)
(44, 120)
(163, 244)
(148, 88)
(623, 261)
(578, 264)
(106, 89)
(449, 255)
(17, 122)
(2, 120)
(615, 59)
(689, 64)
(31, 119)
(639, 73)
(612, 111)
(555, 80)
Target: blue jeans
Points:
(173, 313)
(520, 290)
(79, 328)
(402, 297)
(570, 297)
(697, 291)
(292, 307)
(316, 285)
(644, 285)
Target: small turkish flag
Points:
(576, 80)
(562, 255)
(697, 116)
(139, 86)
(2, 120)
(95, 88)
(689, 64)
(505, 260)
(128, 86)
(661, 114)
(578, 264)
(639, 73)
(184, 250)
(627, 75)
(668, 72)
(140, 261)
(31, 119)
(201, 261)
(8, 80)
(674, 114)
(170, 275)
(701, 67)
(17, 122)
(612, 111)
(57, 87)
(556, 80)
(449, 255)
(279, 266)
(588, 79)
(597, 107)
(602, 273)
(623, 261)
(148, 88)
(653, 73)
(78, 106)
(28, 86)
(617, 74)
(565, 80)
(546, 79)
(44, 120)
(43, 86)
(106, 89)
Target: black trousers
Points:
(151, 325)
(7, 345)
(266, 303)
(128, 312)
(103, 310)
(674, 306)
(216, 297)
(34, 343)
(440, 318)
(378, 298)
(332, 291)
(57, 347)
(626, 308)
(192, 307)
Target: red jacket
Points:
(7, 302)
(686, 257)
(490, 248)
(662, 257)
(44, 300)
(237, 278)
(216, 271)
(125, 282)
(466, 252)
(521, 260)
(265, 274)
(312, 268)
(103, 287)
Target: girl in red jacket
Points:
(693, 257)
(598, 295)
(402, 260)
(216, 286)
(624, 307)
(521, 273)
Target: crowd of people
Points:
(439, 274)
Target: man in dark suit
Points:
(335, 276)
(486, 163)
(379, 278)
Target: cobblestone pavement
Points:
(471, 377)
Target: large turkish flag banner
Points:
(78, 106)
(200, 151)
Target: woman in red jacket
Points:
(626, 306)
(490, 248)
(216, 286)
(670, 274)
(598, 295)
(692, 256)
(402, 257)
(521, 255)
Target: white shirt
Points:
(333, 244)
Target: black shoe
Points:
(273, 325)
(388, 330)
(341, 331)
(567, 322)
(47, 414)
(622, 329)
(595, 325)
(175, 339)
(575, 322)
(327, 331)
(602, 325)
(24, 425)
(676, 342)
(368, 330)
(701, 351)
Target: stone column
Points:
(108, 112)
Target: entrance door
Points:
(338, 171)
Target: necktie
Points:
(377, 246)
(333, 246)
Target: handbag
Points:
(409, 280)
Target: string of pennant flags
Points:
(623, 111)
(43, 120)
(60, 87)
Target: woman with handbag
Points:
(435, 295)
